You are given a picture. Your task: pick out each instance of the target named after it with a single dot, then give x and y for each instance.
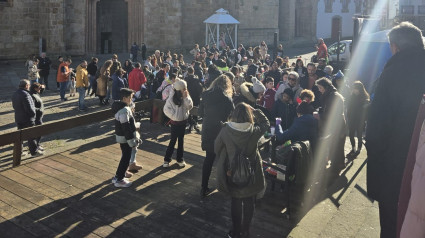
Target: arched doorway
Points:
(111, 26)
(336, 27)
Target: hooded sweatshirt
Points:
(125, 126)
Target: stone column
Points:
(135, 21)
(91, 22)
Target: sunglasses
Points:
(292, 79)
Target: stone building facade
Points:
(80, 27)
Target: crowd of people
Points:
(241, 95)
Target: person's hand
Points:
(43, 86)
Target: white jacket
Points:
(177, 113)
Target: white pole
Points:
(218, 37)
(236, 36)
(206, 33)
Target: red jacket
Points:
(136, 78)
(322, 52)
(267, 100)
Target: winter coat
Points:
(303, 128)
(287, 112)
(244, 136)
(39, 107)
(391, 120)
(102, 83)
(82, 79)
(178, 113)
(245, 95)
(214, 108)
(304, 83)
(356, 111)
(411, 213)
(302, 71)
(125, 126)
(195, 88)
(333, 102)
(117, 84)
(136, 79)
(267, 100)
(92, 68)
(296, 89)
(24, 107)
(44, 65)
(63, 73)
(33, 72)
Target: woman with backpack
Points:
(238, 139)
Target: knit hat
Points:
(257, 86)
(180, 85)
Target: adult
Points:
(322, 49)
(63, 77)
(102, 81)
(275, 72)
(300, 68)
(194, 86)
(389, 131)
(332, 123)
(263, 50)
(36, 90)
(242, 133)
(44, 66)
(118, 82)
(134, 50)
(195, 51)
(144, 51)
(279, 50)
(136, 78)
(81, 84)
(215, 108)
(25, 113)
(309, 82)
(33, 72)
(128, 67)
(92, 70)
(292, 83)
(55, 66)
(116, 65)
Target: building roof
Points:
(221, 16)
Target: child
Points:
(177, 108)
(125, 133)
(356, 116)
(267, 100)
(285, 108)
(134, 167)
(72, 80)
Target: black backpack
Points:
(242, 170)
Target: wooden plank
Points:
(24, 192)
(9, 229)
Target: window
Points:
(6, 3)
(328, 6)
(345, 4)
(407, 10)
(332, 50)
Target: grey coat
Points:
(225, 150)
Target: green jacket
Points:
(244, 136)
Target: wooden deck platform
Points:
(70, 194)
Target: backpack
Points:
(242, 170)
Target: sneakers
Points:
(41, 148)
(181, 164)
(114, 179)
(166, 164)
(205, 192)
(37, 154)
(134, 167)
(124, 183)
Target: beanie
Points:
(180, 85)
(257, 86)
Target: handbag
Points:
(242, 169)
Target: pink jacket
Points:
(413, 224)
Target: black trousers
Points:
(207, 167)
(388, 217)
(177, 132)
(32, 142)
(356, 130)
(44, 79)
(124, 162)
(242, 212)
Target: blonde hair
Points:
(106, 66)
(222, 82)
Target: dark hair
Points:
(230, 75)
(34, 86)
(325, 83)
(94, 59)
(269, 79)
(242, 113)
(363, 93)
(289, 92)
(178, 97)
(311, 64)
(173, 76)
(137, 65)
(305, 108)
(126, 92)
(190, 70)
(284, 72)
(164, 65)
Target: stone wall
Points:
(75, 25)
(22, 24)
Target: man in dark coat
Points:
(144, 50)
(24, 107)
(44, 66)
(391, 120)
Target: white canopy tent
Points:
(212, 28)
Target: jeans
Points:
(133, 155)
(81, 94)
(92, 80)
(242, 210)
(109, 91)
(34, 81)
(177, 132)
(63, 87)
(32, 142)
(124, 162)
(356, 130)
(207, 167)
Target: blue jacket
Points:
(117, 84)
(24, 107)
(304, 127)
(288, 112)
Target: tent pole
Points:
(206, 33)
(236, 36)
(218, 37)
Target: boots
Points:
(134, 167)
